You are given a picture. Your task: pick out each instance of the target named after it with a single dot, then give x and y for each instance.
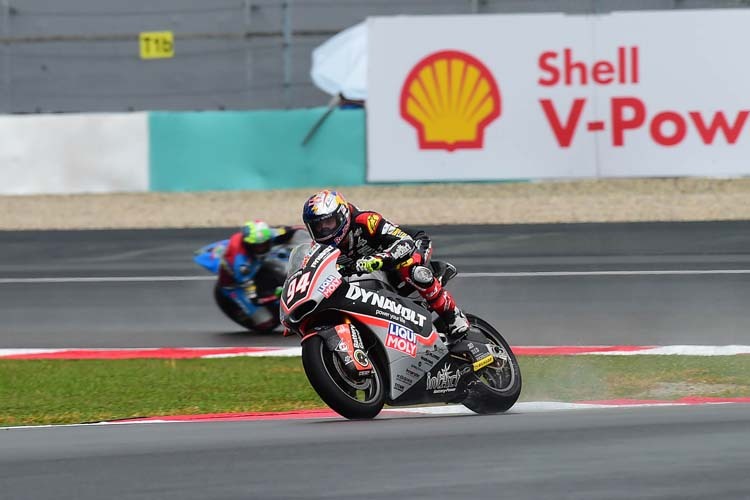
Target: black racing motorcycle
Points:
(365, 344)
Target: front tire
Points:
(498, 386)
(236, 314)
(353, 398)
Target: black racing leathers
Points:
(372, 234)
(402, 251)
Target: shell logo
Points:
(450, 97)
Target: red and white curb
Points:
(426, 411)
(149, 353)
(231, 352)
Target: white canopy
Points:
(339, 65)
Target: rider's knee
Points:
(421, 276)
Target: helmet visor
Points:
(260, 248)
(326, 227)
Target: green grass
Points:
(65, 391)
(581, 378)
(69, 391)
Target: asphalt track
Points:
(569, 284)
(666, 453)
(698, 295)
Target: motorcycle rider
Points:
(245, 253)
(376, 243)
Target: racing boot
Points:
(457, 322)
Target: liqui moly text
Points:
(401, 339)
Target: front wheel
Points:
(350, 397)
(498, 385)
(235, 313)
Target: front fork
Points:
(346, 341)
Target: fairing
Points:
(418, 361)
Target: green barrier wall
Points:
(232, 150)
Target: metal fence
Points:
(84, 55)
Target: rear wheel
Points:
(498, 385)
(350, 397)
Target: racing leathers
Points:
(375, 243)
(239, 266)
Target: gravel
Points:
(617, 200)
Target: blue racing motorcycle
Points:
(255, 304)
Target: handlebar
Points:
(347, 271)
(345, 266)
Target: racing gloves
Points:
(369, 264)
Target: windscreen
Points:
(297, 255)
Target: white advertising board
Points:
(554, 96)
(86, 153)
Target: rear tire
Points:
(349, 397)
(498, 385)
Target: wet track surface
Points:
(676, 453)
(160, 298)
(145, 291)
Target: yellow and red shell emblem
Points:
(450, 97)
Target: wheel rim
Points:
(365, 390)
(501, 374)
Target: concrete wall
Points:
(180, 151)
(74, 153)
(232, 150)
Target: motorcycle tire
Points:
(484, 395)
(236, 314)
(349, 397)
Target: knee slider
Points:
(422, 276)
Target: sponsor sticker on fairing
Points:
(329, 286)
(401, 339)
(322, 255)
(445, 380)
(385, 304)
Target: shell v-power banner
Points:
(555, 96)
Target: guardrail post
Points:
(287, 51)
(248, 11)
(6, 49)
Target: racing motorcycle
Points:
(365, 344)
(254, 306)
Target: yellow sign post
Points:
(156, 44)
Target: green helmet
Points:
(257, 236)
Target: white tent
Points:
(339, 65)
